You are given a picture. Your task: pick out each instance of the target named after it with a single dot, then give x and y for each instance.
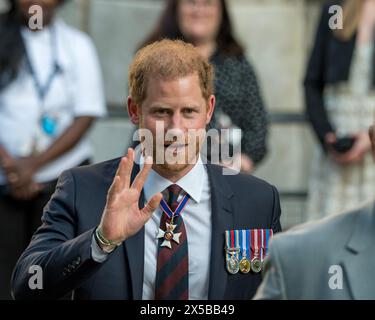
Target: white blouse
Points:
(76, 91)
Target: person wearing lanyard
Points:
(50, 94)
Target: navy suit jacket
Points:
(62, 244)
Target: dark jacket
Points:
(329, 63)
(62, 245)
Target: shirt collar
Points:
(192, 182)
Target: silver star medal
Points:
(168, 235)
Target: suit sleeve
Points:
(276, 213)
(314, 81)
(63, 257)
(272, 286)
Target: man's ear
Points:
(133, 110)
(210, 108)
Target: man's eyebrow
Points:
(163, 106)
(160, 106)
(192, 106)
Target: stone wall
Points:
(277, 35)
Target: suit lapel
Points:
(359, 262)
(222, 219)
(134, 250)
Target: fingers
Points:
(345, 158)
(360, 148)
(121, 172)
(125, 168)
(26, 192)
(141, 177)
(7, 163)
(114, 189)
(18, 181)
(124, 171)
(354, 155)
(37, 187)
(129, 167)
(152, 205)
(12, 177)
(330, 138)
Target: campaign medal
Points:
(231, 252)
(233, 265)
(245, 264)
(266, 236)
(169, 233)
(256, 263)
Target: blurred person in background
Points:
(50, 94)
(340, 102)
(329, 259)
(206, 24)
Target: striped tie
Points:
(172, 275)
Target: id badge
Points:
(49, 125)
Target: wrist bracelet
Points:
(103, 241)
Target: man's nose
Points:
(175, 129)
(176, 121)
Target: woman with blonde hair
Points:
(340, 103)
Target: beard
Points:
(173, 155)
(178, 157)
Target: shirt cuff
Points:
(97, 254)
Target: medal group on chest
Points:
(246, 250)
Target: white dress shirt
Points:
(197, 219)
(77, 91)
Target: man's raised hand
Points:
(122, 216)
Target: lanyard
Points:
(42, 89)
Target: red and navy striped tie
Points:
(172, 274)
